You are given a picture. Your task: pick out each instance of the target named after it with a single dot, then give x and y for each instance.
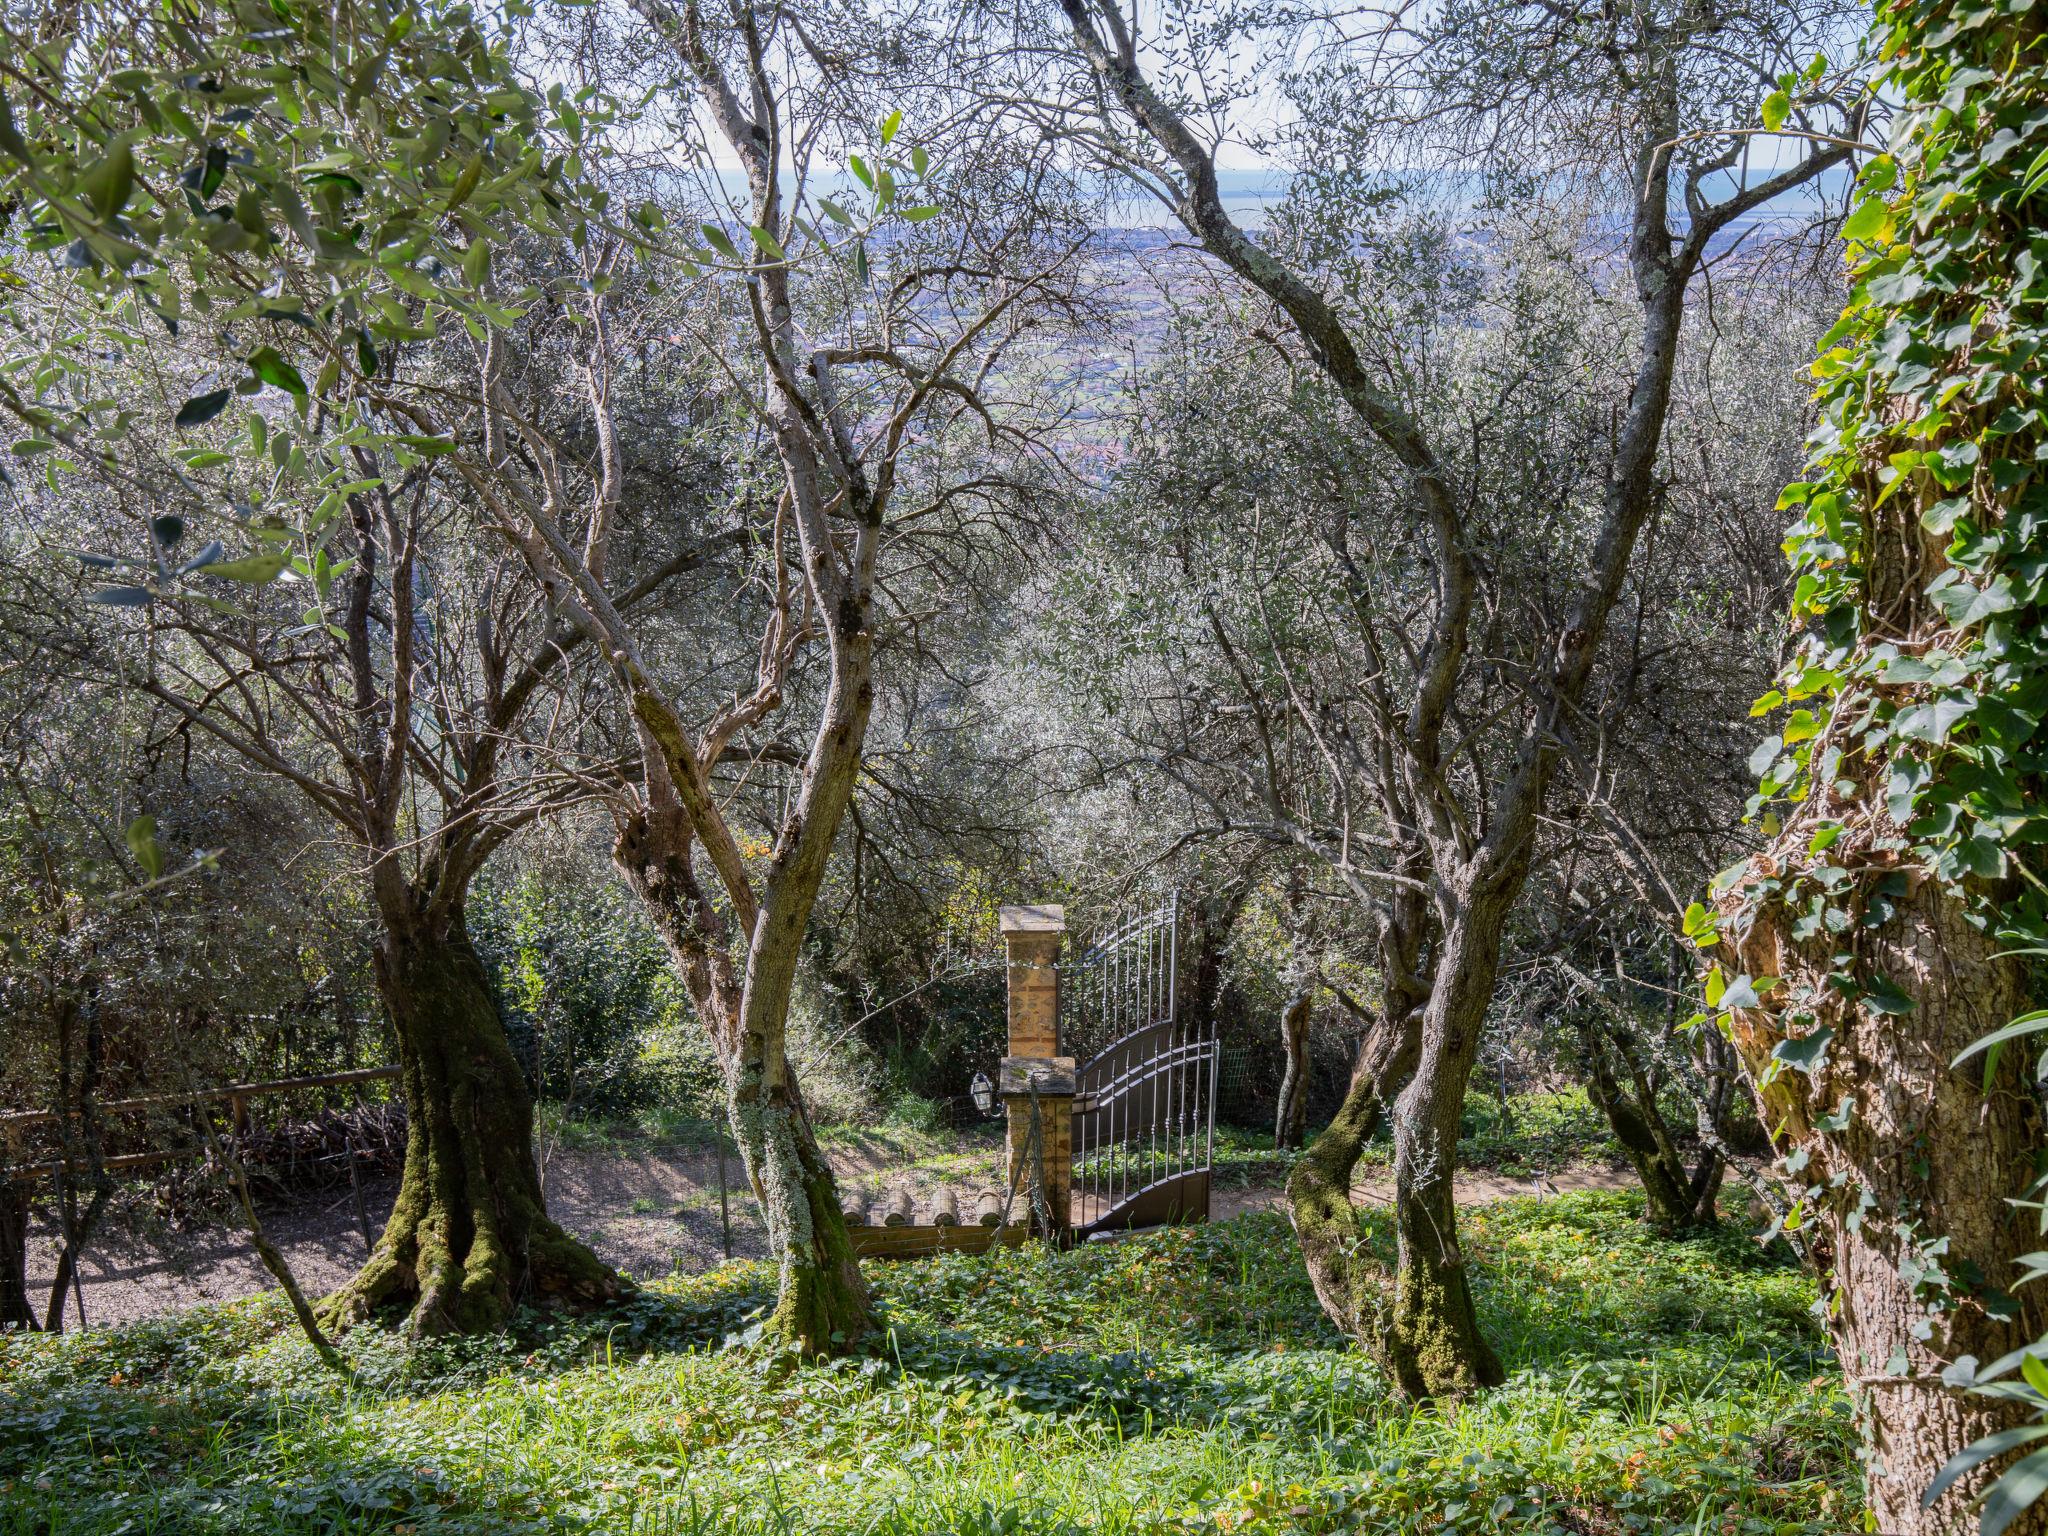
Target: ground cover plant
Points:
(1181, 1381)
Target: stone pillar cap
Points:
(1032, 919)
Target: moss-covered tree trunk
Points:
(1432, 1341)
(1349, 1283)
(469, 1238)
(1675, 1198)
(822, 1304)
(1352, 1286)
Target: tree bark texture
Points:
(469, 1238)
(1290, 1118)
(1349, 1283)
(1433, 1343)
(822, 1302)
(1939, 1158)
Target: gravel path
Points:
(649, 1211)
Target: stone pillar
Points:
(1034, 1067)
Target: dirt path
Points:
(649, 1211)
(1472, 1188)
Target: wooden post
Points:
(1034, 1073)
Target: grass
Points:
(1180, 1382)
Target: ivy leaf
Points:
(1963, 604)
(1867, 220)
(1700, 926)
(1777, 107)
(1739, 993)
(1805, 1053)
(1766, 753)
(1907, 779)
(1931, 722)
(1882, 995)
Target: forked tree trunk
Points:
(822, 1303)
(1349, 1282)
(469, 1238)
(1675, 1198)
(1940, 1159)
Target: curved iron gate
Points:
(1145, 1099)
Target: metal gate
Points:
(1145, 1093)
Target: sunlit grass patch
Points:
(1181, 1381)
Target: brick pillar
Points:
(1031, 941)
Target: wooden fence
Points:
(15, 1126)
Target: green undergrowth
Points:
(1179, 1382)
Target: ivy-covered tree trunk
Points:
(1867, 955)
(1907, 1165)
(469, 1238)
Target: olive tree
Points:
(1463, 702)
(291, 208)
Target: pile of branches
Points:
(284, 1158)
(290, 1156)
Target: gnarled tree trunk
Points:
(1350, 1285)
(822, 1303)
(469, 1238)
